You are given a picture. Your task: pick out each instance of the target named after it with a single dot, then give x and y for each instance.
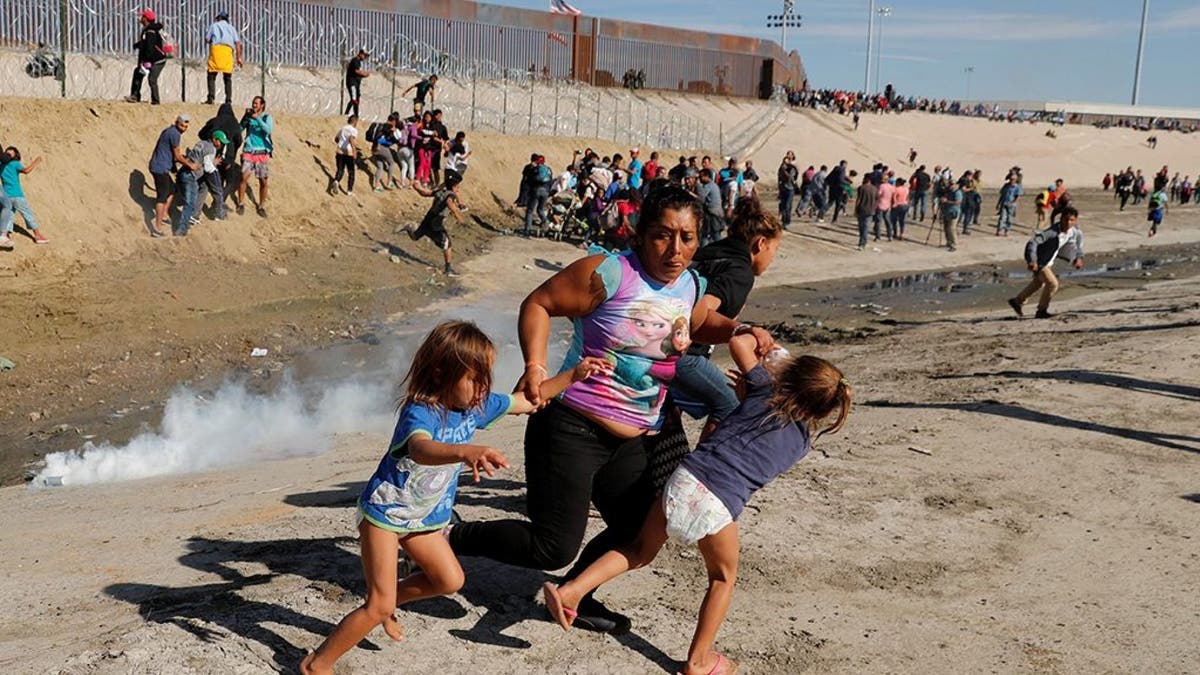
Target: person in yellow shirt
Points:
(224, 52)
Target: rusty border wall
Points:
(490, 40)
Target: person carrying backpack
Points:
(383, 137)
(151, 56)
(1158, 208)
(1042, 204)
(539, 194)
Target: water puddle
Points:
(852, 304)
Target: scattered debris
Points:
(919, 450)
(279, 271)
(5, 364)
(259, 352)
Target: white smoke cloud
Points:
(235, 426)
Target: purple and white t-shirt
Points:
(642, 328)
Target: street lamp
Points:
(882, 12)
(783, 22)
(1137, 71)
(968, 70)
(870, 36)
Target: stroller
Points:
(564, 217)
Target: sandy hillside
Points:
(1047, 526)
(1081, 155)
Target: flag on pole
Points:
(561, 7)
(557, 37)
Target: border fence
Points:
(510, 70)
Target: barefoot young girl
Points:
(769, 432)
(408, 500)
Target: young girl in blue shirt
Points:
(408, 500)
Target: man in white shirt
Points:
(347, 154)
(1043, 248)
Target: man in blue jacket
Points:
(1062, 238)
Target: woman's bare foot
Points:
(392, 627)
(306, 666)
(712, 664)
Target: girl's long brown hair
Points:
(452, 350)
(809, 389)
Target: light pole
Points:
(1137, 70)
(968, 70)
(870, 36)
(882, 12)
(783, 22)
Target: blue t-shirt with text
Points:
(405, 496)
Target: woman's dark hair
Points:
(16, 154)
(750, 221)
(670, 198)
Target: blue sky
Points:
(1080, 50)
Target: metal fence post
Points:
(341, 69)
(616, 114)
(555, 107)
(647, 141)
(262, 52)
(474, 79)
(182, 56)
(629, 125)
(504, 106)
(395, 72)
(63, 29)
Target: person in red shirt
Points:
(1060, 189)
(650, 170)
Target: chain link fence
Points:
(83, 49)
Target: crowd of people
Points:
(849, 102)
(1131, 184)
(598, 199)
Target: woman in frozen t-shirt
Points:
(638, 310)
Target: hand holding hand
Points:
(485, 459)
(530, 383)
(764, 341)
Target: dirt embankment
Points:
(107, 317)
